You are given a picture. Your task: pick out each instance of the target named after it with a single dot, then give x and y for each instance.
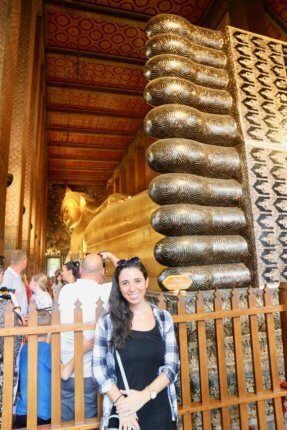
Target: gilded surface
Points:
(174, 65)
(199, 250)
(200, 188)
(194, 157)
(183, 219)
(217, 119)
(173, 44)
(176, 120)
(125, 230)
(172, 188)
(77, 210)
(178, 90)
(207, 277)
(161, 24)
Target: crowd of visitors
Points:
(131, 358)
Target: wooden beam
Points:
(89, 131)
(105, 91)
(77, 174)
(80, 145)
(94, 88)
(100, 151)
(74, 166)
(95, 55)
(77, 181)
(69, 161)
(118, 13)
(94, 112)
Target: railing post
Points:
(8, 370)
(283, 320)
(184, 364)
(56, 369)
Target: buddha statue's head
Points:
(76, 209)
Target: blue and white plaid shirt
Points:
(103, 366)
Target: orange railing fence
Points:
(232, 354)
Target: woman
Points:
(40, 296)
(144, 336)
(71, 271)
(5, 299)
(57, 285)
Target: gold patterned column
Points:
(20, 126)
(39, 192)
(9, 33)
(36, 105)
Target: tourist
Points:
(88, 290)
(144, 336)
(71, 271)
(40, 295)
(57, 285)
(43, 378)
(7, 297)
(12, 278)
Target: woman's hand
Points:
(131, 404)
(129, 422)
(88, 344)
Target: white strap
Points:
(123, 373)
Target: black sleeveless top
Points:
(142, 356)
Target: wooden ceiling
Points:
(95, 82)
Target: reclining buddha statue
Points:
(121, 225)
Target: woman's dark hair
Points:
(74, 266)
(121, 315)
(57, 274)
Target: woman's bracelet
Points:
(17, 307)
(118, 398)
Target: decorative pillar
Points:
(36, 105)
(39, 194)
(9, 34)
(20, 126)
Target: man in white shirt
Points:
(88, 290)
(12, 279)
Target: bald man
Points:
(88, 290)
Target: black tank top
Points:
(142, 356)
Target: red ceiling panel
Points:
(92, 122)
(101, 165)
(86, 71)
(86, 31)
(67, 98)
(84, 153)
(74, 138)
(191, 10)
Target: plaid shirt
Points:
(103, 366)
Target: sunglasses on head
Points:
(123, 262)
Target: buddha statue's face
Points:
(71, 213)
